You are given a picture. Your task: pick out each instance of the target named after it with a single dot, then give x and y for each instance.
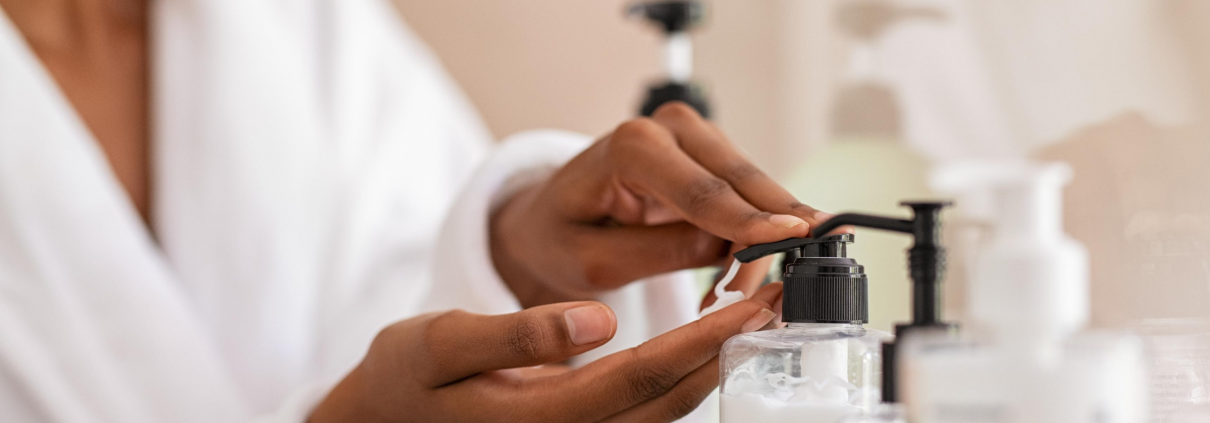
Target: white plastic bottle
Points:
(821, 368)
(1024, 357)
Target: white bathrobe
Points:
(306, 155)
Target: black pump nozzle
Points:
(676, 18)
(672, 16)
(828, 246)
(926, 260)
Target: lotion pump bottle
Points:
(824, 365)
(676, 18)
(926, 262)
(1026, 359)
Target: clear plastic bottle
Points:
(806, 372)
(883, 413)
(824, 366)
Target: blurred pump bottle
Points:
(867, 165)
(1024, 357)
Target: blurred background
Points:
(853, 103)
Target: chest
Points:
(103, 73)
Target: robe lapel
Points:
(93, 324)
(245, 184)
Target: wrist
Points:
(512, 235)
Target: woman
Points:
(210, 208)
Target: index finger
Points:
(706, 144)
(649, 160)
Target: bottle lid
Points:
(823, 285)
(671, 15)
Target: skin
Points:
(655, 195)
(467, 371)
(658, 194)
(96, 50)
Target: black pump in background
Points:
(676, 19)
(926, 261)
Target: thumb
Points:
(462, 344)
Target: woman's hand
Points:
(461, 367)
(657, 195)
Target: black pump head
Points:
(676, 18)
(688, 93)
(926, 259)
(672, 16)
(825, 286)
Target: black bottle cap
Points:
(688, 93)
(824, 285)
(672, 16)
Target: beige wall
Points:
(527, 64)
(583, 66)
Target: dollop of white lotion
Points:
(724, 297)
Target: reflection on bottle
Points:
(1196, 413)
(1180, 365)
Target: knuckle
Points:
(598, 276)
(681, 404)
(528, 339)
(750, 229)
(389, 334)
(595, 272)
(676, 110)
(408, 346)
(636, 133)
(700, 194)
(386, 342)
(442, 320)
(435, 325)
(742, 172)
(649, 381)
(702, 250)
(797, 206)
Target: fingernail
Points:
(758, 320)
(822, 216)
(786, 221)
(588, 324)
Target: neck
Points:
(71, 24)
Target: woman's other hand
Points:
(461, 367)
(656, 195)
